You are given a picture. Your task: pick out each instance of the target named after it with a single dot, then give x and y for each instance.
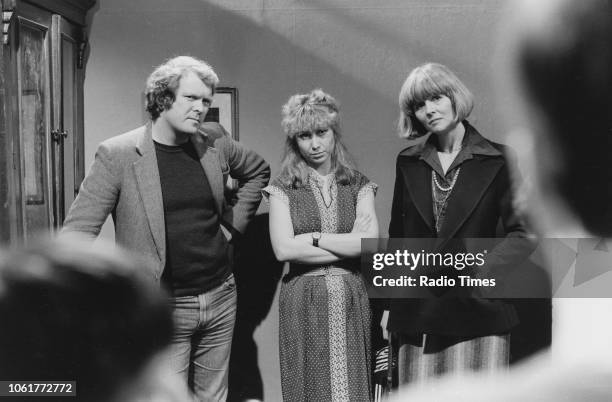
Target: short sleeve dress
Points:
(324, 334)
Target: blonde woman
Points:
(320, 209)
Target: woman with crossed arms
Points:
(320, 208)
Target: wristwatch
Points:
(316, 236)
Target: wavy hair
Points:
(160, 90)
(423, 83)
(310, 112)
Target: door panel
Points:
(33, 78)
(66, 86)
(41, 114)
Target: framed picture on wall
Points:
(224, 110)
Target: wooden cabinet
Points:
(41, 113)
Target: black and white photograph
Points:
(305, 200)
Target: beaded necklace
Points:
(440, 196)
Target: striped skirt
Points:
(325, 338)
(421, 358)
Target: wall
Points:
(360, 51)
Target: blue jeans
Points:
(203, 329)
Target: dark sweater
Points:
(196, 249)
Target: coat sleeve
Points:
(96, 199)
(252, 173)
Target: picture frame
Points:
(224, 110)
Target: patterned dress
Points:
(324, 310)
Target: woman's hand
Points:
(287, 246)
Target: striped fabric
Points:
(442, 355)
(382, 374)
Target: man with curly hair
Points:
(163, 183)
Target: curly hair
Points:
(425, 82)
(310, 112)
(164, 80)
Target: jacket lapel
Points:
(474, 179)
(478, 169)
(149, 186)
(209, 158)
(417, 176)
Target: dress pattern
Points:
(324, 310)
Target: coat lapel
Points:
(417, 176)
(474, 179)
(149, 186)
(478, 169)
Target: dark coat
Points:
(480, 204)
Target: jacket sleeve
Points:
(96, 199)
(252, 173)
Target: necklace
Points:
(324, 183)
(440, 201)
(434, 177)
(331, 196)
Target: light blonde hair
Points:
(308, 113)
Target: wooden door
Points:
(41, 113)
(32, 137)
(68, 145)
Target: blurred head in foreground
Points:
(558, 61)
(79, 312)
